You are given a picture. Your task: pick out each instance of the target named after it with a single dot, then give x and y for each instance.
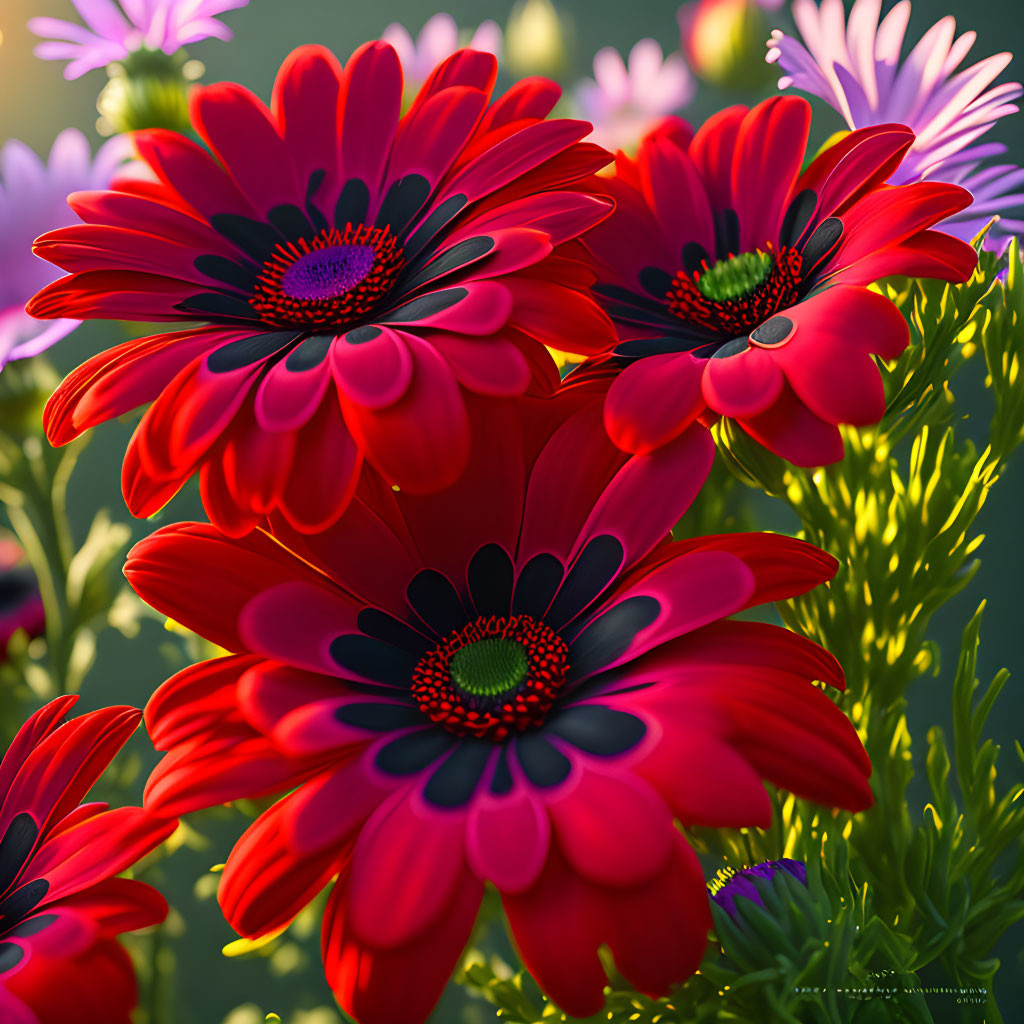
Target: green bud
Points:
(148, 89)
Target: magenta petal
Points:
(773, 135)
(691, 591)
(327, 811)
(296, 621)
(240, 131)
(305, 103)
(743, 384)
(421, 442)
(407, 864)
(675, 192)
(286, 399)
(828, 363)
(507, 839)
(473, 307)
(791, 430)
(375, 373)
(371, 98)
(267, 691)
(705, 781)
(315, 728)
(613, 829)
(653, 400)
(488, 367)
(675, 472)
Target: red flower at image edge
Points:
(356, 274)
(511, 681)
(61, 907)
(737, 283)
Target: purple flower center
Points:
(328, 273)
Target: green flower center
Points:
(737, 276)
(488, 668)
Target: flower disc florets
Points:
(493, 677)
(333, 280)
(732, 296)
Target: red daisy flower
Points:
(512, 681)
(737, 282)
(61, 907)
(355, 272)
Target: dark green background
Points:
(37, 102)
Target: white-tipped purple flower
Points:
(33, 200)
(113, 31)
(855, 66)
(437, 40)
(624, 102)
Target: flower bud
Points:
(148, 89)
(722, 41)
(536, 39)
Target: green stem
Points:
(37, 509)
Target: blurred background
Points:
(37, 103)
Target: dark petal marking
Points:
(490, 577)
(352, 204)
(694, 256)
(313, 212)
(415, 751)
(798, 216)
(424, 306)
(16, 848)
(596, 729)
(457, 777)
(433, 597)
(727, 233)
(23, 900)
(219, 268)
(543, 764)
(538, 580)
(220, 306)
(404, 199)
(254, 237)
(618, 295)
(373, 659)
(731, 348)
(437, 219)
(10, 956)
(640, 348)
(655, 281)
(595, 567)
(309, 354)
(773, 331)
(457, 256)
(33, 926)
(825, 238)
(380, 717)
(382, 626)
(246, 351)
(608, 637)
(502, 781)
(361, 335)
(291, 222)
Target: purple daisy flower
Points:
(437, 41)
(115, 30)
(624, 100)
(33, 199)
(742, 882)
(855, 66)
